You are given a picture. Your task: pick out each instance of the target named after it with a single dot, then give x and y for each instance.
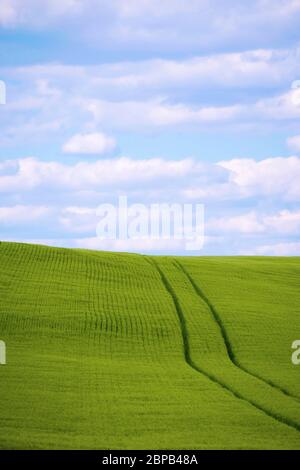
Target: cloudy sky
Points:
(165, 101)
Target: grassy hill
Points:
(126, 351)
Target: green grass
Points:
(125, 351)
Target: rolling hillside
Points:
(111, 351)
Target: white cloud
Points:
(139, 115)
(155, 26)
(245, 223)
(14, 13)
(21, 214)
(277, 249)
(285, 222)
(93, 143)
(7, 12)
(73, 191)
(272, 176)
(279, 110)
(233, 179)
(79, 219)
(214, 191)
(252, 68)
(294, 143)
(32, 173)
(45, 89)
(155, 113)
(200, 87)
(151, 95)
(82, 211)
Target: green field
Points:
(124, 351)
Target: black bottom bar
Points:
(137, 458)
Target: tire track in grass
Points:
(195, 367)
(225, 336)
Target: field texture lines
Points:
(227, 341)
(263, 294)
(120, 351)
(218, 363)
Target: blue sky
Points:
(165, 101)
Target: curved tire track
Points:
(190, 362)
(225, 336)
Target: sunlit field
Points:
(123, 351)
